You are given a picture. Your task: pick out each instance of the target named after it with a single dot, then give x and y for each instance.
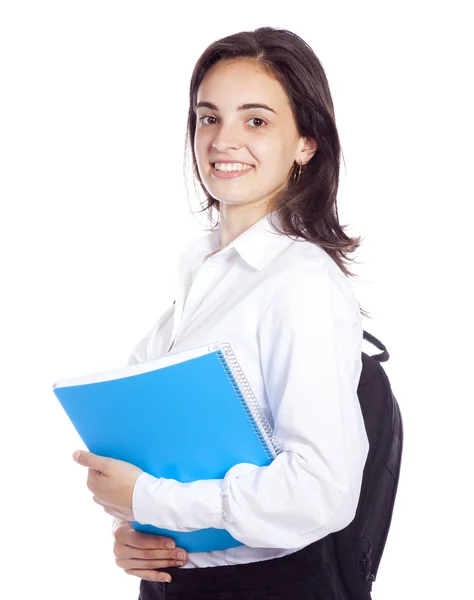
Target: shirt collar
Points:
(257, 245)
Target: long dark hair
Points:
(307, 208)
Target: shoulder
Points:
(306, 269)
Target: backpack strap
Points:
(384, 355)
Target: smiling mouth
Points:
(213, 164)
(231, 173)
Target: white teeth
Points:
(231, 167)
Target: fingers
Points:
(145, 565)
(149, 575)
(124, 552)
(139, 554)
(125, 534)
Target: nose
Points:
(226, 137)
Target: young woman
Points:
(270, 279)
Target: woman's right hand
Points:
(139, 553)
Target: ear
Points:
(307, 151)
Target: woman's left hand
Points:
(111, 481)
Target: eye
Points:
(206, 117)
(201, 120)
(258, 119)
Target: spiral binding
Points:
(247, 399)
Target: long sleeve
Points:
(310, 353)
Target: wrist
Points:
(115, 524)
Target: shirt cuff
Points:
(170, 504)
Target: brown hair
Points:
(308, 208)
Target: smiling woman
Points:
(265, 151)
(246, 140)
(262, 99)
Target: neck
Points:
(234, 220)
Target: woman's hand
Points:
(139, 553)
(111, 481)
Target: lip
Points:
(213, 162)
(229, 174)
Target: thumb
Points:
(93, 461)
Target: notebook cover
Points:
(184, 422)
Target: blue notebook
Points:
(187, 416)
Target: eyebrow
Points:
(242, 107)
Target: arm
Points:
(310, 349)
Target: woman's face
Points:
(226, 130)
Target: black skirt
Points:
(309, 574)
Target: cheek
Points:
(201, 147)
(269, 152)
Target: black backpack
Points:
(360, 545)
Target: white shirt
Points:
(293, 321)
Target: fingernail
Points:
(168, 580)
(181, 555)
(170, 544)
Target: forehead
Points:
(229, 83)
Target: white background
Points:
(94, 212)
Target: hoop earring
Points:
(296, 177)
